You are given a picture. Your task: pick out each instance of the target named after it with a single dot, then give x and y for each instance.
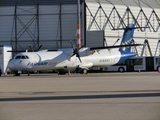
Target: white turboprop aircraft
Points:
(71, 59)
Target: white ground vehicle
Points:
(137, 63)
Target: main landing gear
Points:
(18, 73)
(84, 71)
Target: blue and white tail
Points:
(127, 38)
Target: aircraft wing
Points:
(112, 47)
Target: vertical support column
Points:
(60, 24)
(15, 17)
(38, 24)
(84, 23)
(128, 15)
(78, 25)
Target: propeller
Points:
(76, 51)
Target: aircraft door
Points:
(37, 58)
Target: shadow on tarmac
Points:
(77, 97)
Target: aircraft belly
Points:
(66, 65)
(41, 68)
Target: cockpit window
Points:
(18, 57)
(27, 57)
(21, 57)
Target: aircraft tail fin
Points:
(127, 37)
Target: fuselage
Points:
(63, 60)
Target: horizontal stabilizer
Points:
(129, 28)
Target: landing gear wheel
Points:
(61, 73)
(84, 71)
(17, 74)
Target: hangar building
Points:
(53, 23)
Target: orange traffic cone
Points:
(139, 70)
(158, 69)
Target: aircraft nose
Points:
(11, 65)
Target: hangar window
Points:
(157, 61)
(138, 61)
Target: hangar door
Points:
(51, 26)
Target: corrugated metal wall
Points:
(26, 23)
(51, 23)
(6, 24)
(35, 2)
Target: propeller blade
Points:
(79, 57)
(72, 55)
(75, 51)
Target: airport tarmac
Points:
(95, 96)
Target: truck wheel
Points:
(121, 69)
(0, 72)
